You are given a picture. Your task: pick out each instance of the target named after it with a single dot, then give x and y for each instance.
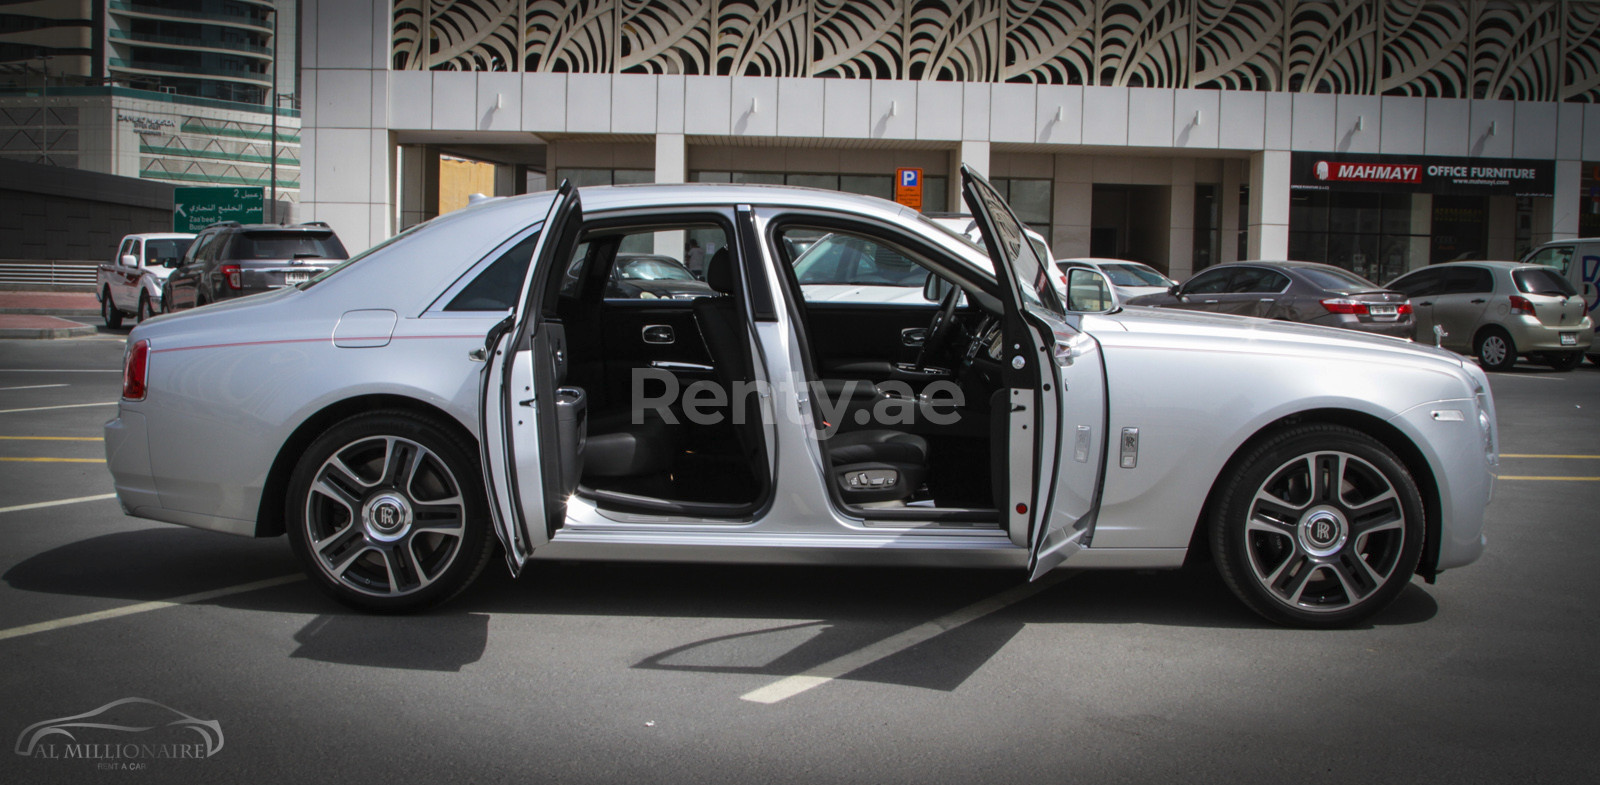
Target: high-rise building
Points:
(180, 91)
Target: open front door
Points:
(520, 407)
(1055, 396)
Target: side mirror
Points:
(935, 288)
(129, 260)
(1173, 290)
(171, 262)
(1089, 291)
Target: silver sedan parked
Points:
(468, 387)
(1308, 292)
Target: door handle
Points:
(913, 336)
(671, 365)
(1426, 302)
(659, 334)
(1479, 301)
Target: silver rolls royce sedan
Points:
(472, 385)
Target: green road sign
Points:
(194, 209)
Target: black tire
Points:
(1564, 361)
(1310, 553)
(379, 541)
(1495, 350)
(108, 310)
(166, 301)
(143, 312)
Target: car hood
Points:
(1211, 331)
(1129, 292)
(668, 288)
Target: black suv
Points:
(230, 260)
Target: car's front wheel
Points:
(1495, 350)
(143, 312)
(386, 511)
(108, 310)
(1317, 526)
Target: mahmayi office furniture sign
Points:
(1424, 174)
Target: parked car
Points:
(131, 284)
(641, 276)
(1499, 311)
(230, 259)
(1129, 279)
(400, 420)
(1292, 291)
(839, 268)
(1579, 261)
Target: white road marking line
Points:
(58, 370)
(156, 605)
(839, 666)
(57, 503)
(33, 387)
(59, 439)
(65, 406)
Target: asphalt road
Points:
(636, 673)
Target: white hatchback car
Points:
(468, 386)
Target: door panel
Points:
(856, 341)
(647, 334)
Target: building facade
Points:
(177, 91)
(1380, 135)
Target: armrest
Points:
(850, 390)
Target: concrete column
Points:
(1421, 246)
(1556, 218)
(1072, 206)
(418, 187)
(505, 179)
(1502, 229)
(1269, 205)
(1180, 222)
(976, 156)
(1228, 215)
(672, 157)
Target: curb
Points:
(66, 312)
(48, 332)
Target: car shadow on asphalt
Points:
(829, 611)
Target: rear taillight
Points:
(1520, 305)
(135, 371)
(233, 275)
(1338, 305)
(1404, 309)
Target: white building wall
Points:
(353, 102)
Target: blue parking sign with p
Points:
(910, 178)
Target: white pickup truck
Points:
(131, 284)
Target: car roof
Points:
(1491, 264)
(1100, 260)
(163, 236)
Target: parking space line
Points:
(52, 438)
(59, 370)
(33, 387)
(1568, 479)
(828, 671)
(143, 607)
(53, 460)
(57, 503)
(63, 406)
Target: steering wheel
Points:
(939, 330)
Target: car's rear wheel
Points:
(108, 310)
(143, 311)
(1495, 350)
(1317, 526)
(386, 511)
(1564, 361)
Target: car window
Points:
(1420, 283)
(1559, 257)
(158, 252)
(1257, 279)
(1468, 280)
(1209, 282)
(846, 267)
(204, 247)
(1536, 281)
(659, 263)
(287, 245)
(499, 285)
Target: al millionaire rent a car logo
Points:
(123, 734)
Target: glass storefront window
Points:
(1366, 233)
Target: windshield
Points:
(1545, 281)
(1335, 280)
(1133, 274)
(653, 270)
(161, 251)
(287, 245)
(849, 259)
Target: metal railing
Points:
(75, 273)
